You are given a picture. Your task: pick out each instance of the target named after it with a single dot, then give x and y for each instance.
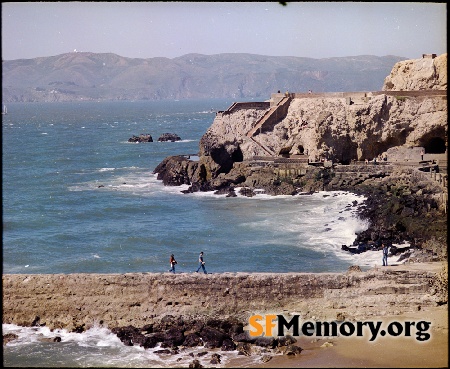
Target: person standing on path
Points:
(201, 263)
(385, 254)
(172, 264)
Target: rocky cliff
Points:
(418, 74)
(270, 149)
(344, 129)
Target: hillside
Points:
(80, 76)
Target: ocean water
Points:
(79, 198)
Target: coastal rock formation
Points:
(402, 203)
(323, 127)
(330, 127)
(9, 337)
(176, 170)
(172, 137)
(141, 138)
(428, 73)
(189, 309)
(146, 137)
(258, 147)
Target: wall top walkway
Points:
(300, 95)
(276, 98)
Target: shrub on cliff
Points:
(441, 285)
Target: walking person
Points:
(201, 263)
(172, 264)
(385, 254)
(422, 153)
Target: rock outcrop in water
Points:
(172, 137)
(143, 137)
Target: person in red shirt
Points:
(172, 263)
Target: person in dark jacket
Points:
(201, 263)
(385, 253)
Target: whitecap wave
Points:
(92, 337)
(98, 346)
(106, 169)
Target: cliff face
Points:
(418, 74)
(340, 129)
(344, 129)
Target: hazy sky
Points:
(171, 29)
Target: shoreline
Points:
(344, 352)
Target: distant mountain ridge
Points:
(79, 76)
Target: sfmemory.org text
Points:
(276, 325)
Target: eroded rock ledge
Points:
(71, 301)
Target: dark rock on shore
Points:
(9, 337)
(228, 345)
(244, 348)
(227, 335)
(195, 364)
(286, 340)
(175, 170)
(212, 337)
(292, 350)
(397, 212)
(244, 337)
(266, 342)
(215, 359)
(174, 336)
(192, 340)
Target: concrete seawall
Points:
(71, 300)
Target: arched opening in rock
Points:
(434, 142)
(346, 151)
(222, 156)
(301, 149)
(237, 155)
(435, 145)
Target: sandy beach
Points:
(386, 352)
